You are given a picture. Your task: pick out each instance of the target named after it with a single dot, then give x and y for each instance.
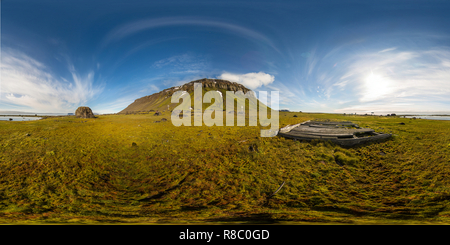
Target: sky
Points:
(348, 56)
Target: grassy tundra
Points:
(127, 168)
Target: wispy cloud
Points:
(399, 80)
(134, 27)
(29, 84)
(177, 60)
(311, 61)
(138, 48)
(150, 89)
(114, 106)
(387, 50)
(187, 63)
(402, 74)
(401, 107)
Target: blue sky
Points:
(327, 56)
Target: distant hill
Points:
(161, 101)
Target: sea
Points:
(430, 117)
(10, 118)
(25, 116)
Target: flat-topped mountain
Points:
(162, 100)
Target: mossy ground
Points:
(129, 169)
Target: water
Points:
(430, 117)
(7, 118)
(18, 114)
(25, 116)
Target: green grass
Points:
(71, 170)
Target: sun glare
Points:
(375, 87)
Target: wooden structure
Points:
(342, 133)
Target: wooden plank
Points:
(325, 126)
(309, 136)
(318, 130)
(362, 130)
(342, 142)
(332, 130)
(288, 128)
(321, 134)
(331, 123)
(351, 142)
(341, 135)
(314, 129)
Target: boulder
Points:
(84, 112)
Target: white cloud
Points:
(401, 107)
(28, 84)
(250, 80)
(419, 74)
(393, 80)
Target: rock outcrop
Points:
(84, 112)
(215, 84)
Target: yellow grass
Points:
(129, 169)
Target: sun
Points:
(376, 87)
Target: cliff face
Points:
(161, 100)
(215, 84)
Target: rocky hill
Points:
(162, 100)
